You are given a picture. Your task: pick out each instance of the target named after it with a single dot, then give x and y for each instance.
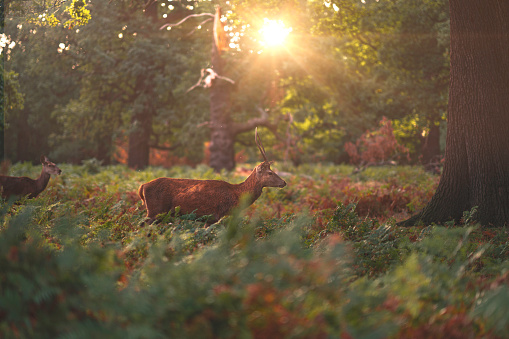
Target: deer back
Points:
(202, 197)
(207, 197)
(16, 186)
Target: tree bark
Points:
(222, 155)
(104, 150)
(223, 129)
(24, 140)
(139, 150)
(138, 154)
(476, 168)
(430, 149)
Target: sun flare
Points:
(274, 32)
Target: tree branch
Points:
(263, 120)
(207, 75)
(187, 17)
(201, 23)
(148, 3)
(364, 41)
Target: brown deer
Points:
(22, 186)
(213, 198)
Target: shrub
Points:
(376, 146)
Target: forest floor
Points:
(322, 257)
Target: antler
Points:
(259, 144)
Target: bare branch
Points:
(206, 123)
(187, 17)
(198, 83)
(221, 77)
(263, 120)
(201, 23)
(238, 128)
(207, 75)
(148, 3)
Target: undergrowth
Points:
(320, 258)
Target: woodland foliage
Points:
(75, 262)
(377, 146)
(93, 74)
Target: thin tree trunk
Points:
(430, 149)
(104, 150)
(23, 139)
(222, 155)
(138, 154)
(139, 139)
(476, 169)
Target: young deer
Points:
(215, 198)
(21, 186)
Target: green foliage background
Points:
(345, 66)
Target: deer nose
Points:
(282, 184)
(59, 171)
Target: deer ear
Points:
(43, 159)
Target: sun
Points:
(274, 32)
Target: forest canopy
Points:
(127, 79)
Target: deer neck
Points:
(252, 187)
(41, 182)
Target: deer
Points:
(23, 186)
(212, 199)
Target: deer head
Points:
(49, 167)
(263, 172)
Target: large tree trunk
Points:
(476, 169)
(223, 129)
(222, 155)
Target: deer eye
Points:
(270, 173)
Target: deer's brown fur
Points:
(215, 198)
(24, 186)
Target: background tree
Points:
(99, 85)
(122, 81)
(397, 55)
(42, 14)
(125, 80)
(234, 109)
(44, 78)
(42, 75)
(476, 169)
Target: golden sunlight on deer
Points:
(212, 198)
